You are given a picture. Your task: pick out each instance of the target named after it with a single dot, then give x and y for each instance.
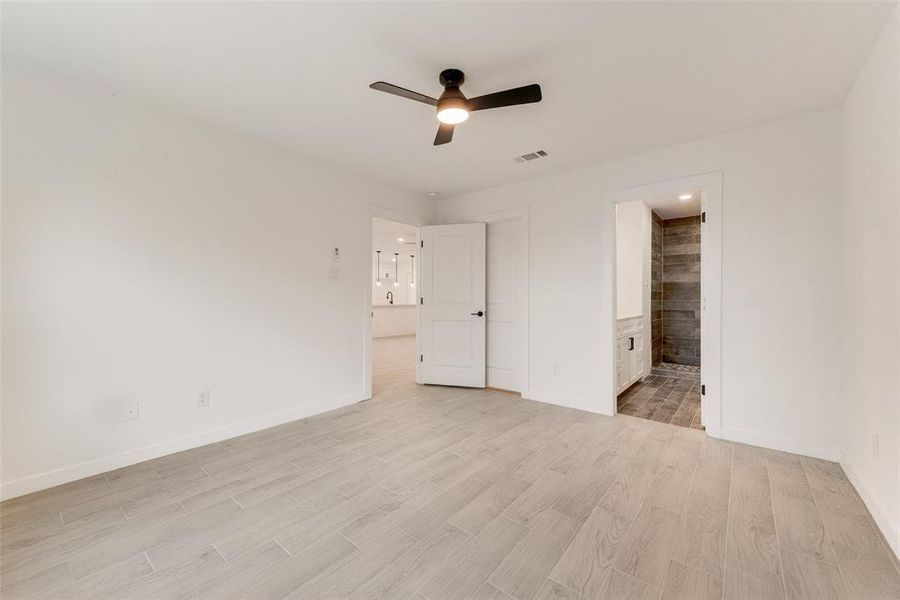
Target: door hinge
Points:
(421, 300)
(421, 358)
(702, 389)
(421, 243)
(703, 217)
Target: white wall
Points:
(630, 254)
(781, 365)
(870, 219)
(149, 256)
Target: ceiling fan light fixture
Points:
(452, 115)
(453, 107)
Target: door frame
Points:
(380, 212)
(524, 291)
(711, 190)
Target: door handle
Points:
(480, 313)
(631, 340)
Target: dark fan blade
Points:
(390, 88)
(444, 134)
(520, 95)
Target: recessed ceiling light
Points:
(399, 239)
(685, 196)
(432, 194)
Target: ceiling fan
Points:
(453, 107)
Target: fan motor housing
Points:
(452, 97)
(452, 78)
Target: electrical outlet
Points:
(203, 398)
(130, 410)
(556, 369)
(875, 446)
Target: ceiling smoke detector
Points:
(530, 156)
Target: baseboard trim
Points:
(561, 400)
(793, 446)
(890, 528)
(48, 479)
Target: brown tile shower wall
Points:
(681, 290)
(656, 290)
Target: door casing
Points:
(711, 188)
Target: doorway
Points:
(658, 316)
(666, 298)
(494, 296)
(394, 275)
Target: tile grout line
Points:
(149, 562)
(626, 535)
(727, 520)
(827, 540)
(775, 525)
(661, 405)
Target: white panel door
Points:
(452, 305)
(504, 346)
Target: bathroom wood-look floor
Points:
(663, 399)
(441, 493)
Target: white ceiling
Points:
(618, 78)
(386, 237)
(671, 206)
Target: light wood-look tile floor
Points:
(441, 493)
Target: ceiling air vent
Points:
(530, 156)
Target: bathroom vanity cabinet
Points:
(631, 349)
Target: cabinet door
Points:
(623, 364)
(637, 357)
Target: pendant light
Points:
(396, 266)
(378, 281)
(412, 270)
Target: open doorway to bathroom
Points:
(394, 272)
(658, 308)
